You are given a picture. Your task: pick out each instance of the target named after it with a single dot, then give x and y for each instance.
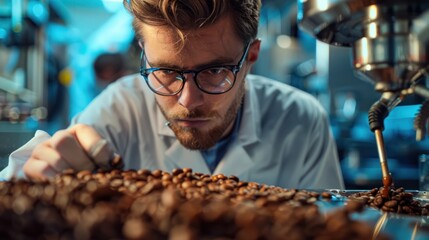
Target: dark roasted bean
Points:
(326, 195)
(391, 204)
(378, 201)
(144, 172)
(177, 171)
(157, 173)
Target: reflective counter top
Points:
(396, 226)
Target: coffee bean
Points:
(391, 204)
(157, 173)
(166, 177)
(82, 174)
(378, 201)
(326, 195)
(177, 171)
(144, 172)
(234, 178)
(135, 228)
(186, 184)
(116, 183)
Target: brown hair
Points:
(183, 15)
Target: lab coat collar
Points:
(163, 128)
(237, 158)
(250, 126)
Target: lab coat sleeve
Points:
(18, 158)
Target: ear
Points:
(141, 44)
(253, 54)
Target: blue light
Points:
(112, 5)
(3, 33)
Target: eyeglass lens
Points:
(212, 80)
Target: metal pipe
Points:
(382, 153)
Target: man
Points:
(196, 106)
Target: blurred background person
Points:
(108, 67)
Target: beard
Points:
(196, 139)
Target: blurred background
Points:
(57, 55)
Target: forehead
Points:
(218, 38)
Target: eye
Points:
(216, 71)
(166, 74)
(214, 74)
(167, 71)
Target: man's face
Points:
(198, 119)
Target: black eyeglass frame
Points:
(233, 68)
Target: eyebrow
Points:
(221, 61)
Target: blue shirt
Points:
(213, 155)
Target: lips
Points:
(192, 122)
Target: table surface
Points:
(396, 226)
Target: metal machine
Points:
(22, 66)
(26, 66)
(390, 43)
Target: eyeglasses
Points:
(211, 80)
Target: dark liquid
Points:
(387, 182)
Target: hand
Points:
(69, 148)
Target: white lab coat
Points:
(284, 137)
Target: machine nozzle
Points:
(377, 113)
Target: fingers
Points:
(50, 156)
(70, 151)
(36, 169)
(94, 145)
(66, 149)
(85, 135)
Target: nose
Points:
(191, 96)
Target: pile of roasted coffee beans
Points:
(399, 201)
(168, 205)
